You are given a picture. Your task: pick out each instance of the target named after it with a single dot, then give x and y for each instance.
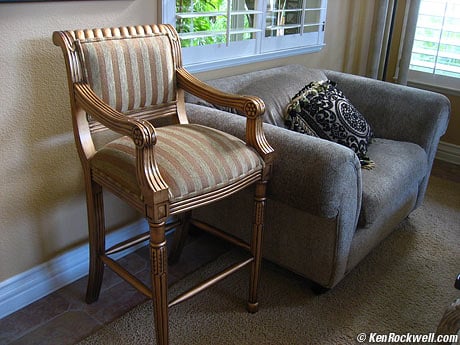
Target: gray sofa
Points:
(324, 213)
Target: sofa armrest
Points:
(309, 173)
(397, 112)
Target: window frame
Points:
(432, 81)
(196, 59)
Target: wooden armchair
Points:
(127, 80)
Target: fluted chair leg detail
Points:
(256, 245)
(159, 271)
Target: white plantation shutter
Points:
(435, 55)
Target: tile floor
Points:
(64, 318)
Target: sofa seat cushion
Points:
(189, 158)
(399, 169)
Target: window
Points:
(435, 58)
(217, 33)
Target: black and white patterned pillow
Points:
(321, 109)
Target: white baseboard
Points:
(29, 286)
(448, 152)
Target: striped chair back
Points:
(130, 73)
(133, 72)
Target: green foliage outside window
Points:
(203, 24)
(207, 21)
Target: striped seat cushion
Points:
(192, 159)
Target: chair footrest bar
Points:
(137, 239)
(128, 243)
(123, 273)
(210, 282)
(219, 233)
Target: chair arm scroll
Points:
(141, 132)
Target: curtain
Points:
(379, 39)
(406, 41)
(372, 35)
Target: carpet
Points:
(403, 287)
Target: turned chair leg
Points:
(96, 225)
(159, 273)
(256, 245)
(180, 237)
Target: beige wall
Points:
(42, 205)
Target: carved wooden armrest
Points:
(142, 133)
(251, 106)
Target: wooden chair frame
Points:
(154, 203)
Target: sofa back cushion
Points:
(275, 86)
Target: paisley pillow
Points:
(321, 109)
